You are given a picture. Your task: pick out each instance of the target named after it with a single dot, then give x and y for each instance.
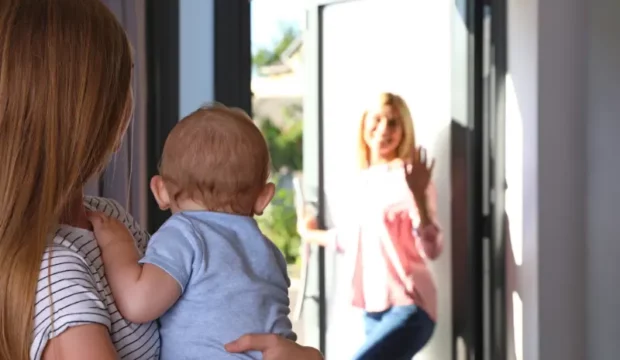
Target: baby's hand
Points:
(109, 231)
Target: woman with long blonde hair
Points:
(390, 232)
(65, 104)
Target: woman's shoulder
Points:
(73, 255)
(108, 206)
(70, 289)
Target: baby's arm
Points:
(142, 292)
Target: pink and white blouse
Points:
(385, 249)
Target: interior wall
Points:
(521, 196)
(603, 171)
(548, 156)
(561, 181)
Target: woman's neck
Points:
(74, 213)
(382, 160)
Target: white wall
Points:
(546, 179)
(603, 173)
(561, 182)
(564, 81)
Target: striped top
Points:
(73, 290)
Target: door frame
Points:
(497, 322)
(313, 177)
(232, 73)
(484, 331)
(476, 172)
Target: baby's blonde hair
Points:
(217, 157)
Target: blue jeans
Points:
(395, 334)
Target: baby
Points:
(209, 264)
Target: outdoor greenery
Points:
(285, 144)
(265, 56)
(279, 222)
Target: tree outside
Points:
(270, 56)
(284, 138)
(279, 222)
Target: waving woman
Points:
(389, 234)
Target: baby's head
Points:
(215, 159)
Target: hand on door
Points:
(307, 223)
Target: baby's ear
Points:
(158, 188)
(264, 198)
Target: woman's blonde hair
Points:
(407, 144)
(65, 102)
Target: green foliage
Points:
(279, 223)
(265, 57)
(285, 144)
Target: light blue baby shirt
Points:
(233, 280)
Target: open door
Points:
(345, 60)
(355, 49)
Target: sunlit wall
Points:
(546, 124)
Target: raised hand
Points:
(418, 173)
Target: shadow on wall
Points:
(459, 220)
(440, 149)
(460, 269)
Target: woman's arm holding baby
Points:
(273, 347)
(142, 292)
